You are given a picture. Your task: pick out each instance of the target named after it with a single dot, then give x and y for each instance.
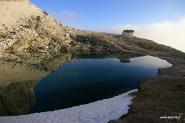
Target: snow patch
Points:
(96, 112)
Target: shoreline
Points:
(159, 96)
(169, 86)
(96, 112)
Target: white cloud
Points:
(166, 32)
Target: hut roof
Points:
(128, 31)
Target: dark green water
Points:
(87, 80)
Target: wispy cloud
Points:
(171, 33)
(67, 17)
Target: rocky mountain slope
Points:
(28, 32)
(28, 35)
(26, 29)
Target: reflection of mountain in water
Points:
(17, 80)
(17, 83)
(122, 56)
(15, 72)
(17, 98)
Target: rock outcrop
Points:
(28, 32)
(29, 28)
(28, 35)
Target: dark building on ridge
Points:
(128, 33)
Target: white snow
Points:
(96, 112)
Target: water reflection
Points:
(35, 88)
(17, 98)
(17, 83)
(87, 80)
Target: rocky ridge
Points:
(28, 32)
(28, 35)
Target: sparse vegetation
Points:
(42, 42)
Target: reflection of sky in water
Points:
(150, 62)
(87, 80)
(79, 82)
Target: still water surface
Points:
(25, 89)
(86, 80)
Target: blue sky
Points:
(160, 20)
(91, 14)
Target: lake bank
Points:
(159, 97)
(78, 82)
(103, 110)
(37, 37)
(97, 112)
